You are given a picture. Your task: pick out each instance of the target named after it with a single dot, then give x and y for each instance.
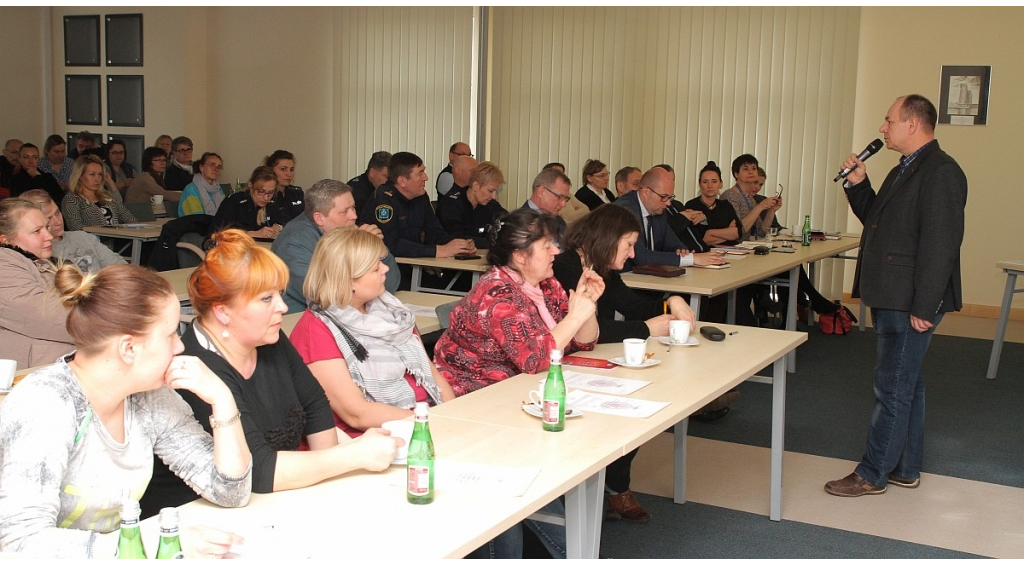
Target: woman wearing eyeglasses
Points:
(120, 170)
(203, 194)
(595, 185)
(151, 181)
(256, 211)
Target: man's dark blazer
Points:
(665, 241)
(562, 225)
(909, 256)
(590, 199)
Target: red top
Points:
(496, 332)
(314, 341)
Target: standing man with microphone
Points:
(908, 272)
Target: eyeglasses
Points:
(214, 167)
(265, 193)
(557, 195)
(184, 151)
(463, 154)
(116, 153)
(665, 198)
(161, 160)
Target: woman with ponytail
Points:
(31, 318)
(78, 437)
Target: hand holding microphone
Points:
(853, 163)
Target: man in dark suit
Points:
(908, 272)
(658, 244)
(551, 189)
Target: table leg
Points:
(136, 251)
(695, 305)
(730, 311)
(417, 278)
(1004, 315)
(679, 460)
(794, 289)
(584, 511)
(778, 437)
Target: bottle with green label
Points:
(170, 544)
(420, 465)
(806, 239)
(129, 545)
(553, 409)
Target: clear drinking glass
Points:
(773, 232)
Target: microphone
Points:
(864, 155)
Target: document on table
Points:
(603, 384)
(500, 480)
(421, 310)
(626, 407)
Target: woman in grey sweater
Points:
(78, 436)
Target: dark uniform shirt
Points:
(718, 218)
(239, 211)
(460, 219)
(410, 227)
(362, 191)
(292, 203)
(176, 178)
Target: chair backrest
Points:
(142, 211)
(444, 313)
(190, 250)
(172, 208)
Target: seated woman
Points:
(721, 226)
(358, 340)
(83, 249)
(512, 319)
(470, 213)
(594, 191)
(290, 199)
(236, 293)
(518, 312)
(150, 182)
(164, 142)
(203, 194)
(89, 202)
(79, 435)
(31, 178)
(32, 328)
(256, 211)
(120, 170)
(56, 161)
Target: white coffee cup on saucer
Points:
(7, 369)
(679, 331)
(537, 396)
(156, 200)
(400, 428)
(634, 351)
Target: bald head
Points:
(11, 149)
(462, 168)
(657, 188)
(457, 150)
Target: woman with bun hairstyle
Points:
(31, 318)
(289, 426)
(721, 226)
(290, 199)
(78, 436)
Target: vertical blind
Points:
(641, 86)
(401, 83)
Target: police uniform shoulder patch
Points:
(384, 213)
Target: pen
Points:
(664, 307)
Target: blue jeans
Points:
(896, 433)
(506, 546)
(551, 536)
(509, 544)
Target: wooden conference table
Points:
(706, 282)
(135, 233)
(364, 515)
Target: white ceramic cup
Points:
(679, 331)
(537, 396)
(634, 351)
(7, 369)
(156, 200)
(400, 428)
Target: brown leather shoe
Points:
(627, 507)
(852, 486)
(904, 482)
(721, 402)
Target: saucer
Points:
(621, 361)
(5, 391)
(533, 410)
(691, 342)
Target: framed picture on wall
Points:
(82, 99)
(125, 102)
(124, 40)
(82, 41)
(963, 94)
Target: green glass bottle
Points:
(129, 545)
(553, 410)
(805, 240)
(170, 545)
(420, 465)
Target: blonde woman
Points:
(358, 340)
(89, 202)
